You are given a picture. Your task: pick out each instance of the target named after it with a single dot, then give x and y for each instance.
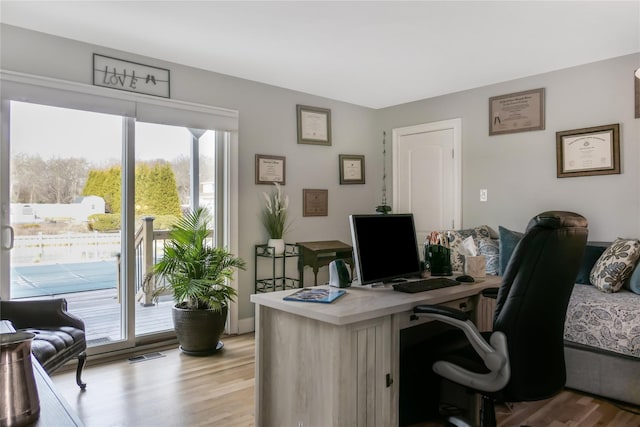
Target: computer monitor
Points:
(385, 247)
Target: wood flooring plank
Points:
(181, 390)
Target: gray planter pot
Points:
(199, 331)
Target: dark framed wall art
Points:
(516, 112)
(351, 169)
(588, 151)
(314, 125)
(636, 78)
(270, 169)
(315, 202)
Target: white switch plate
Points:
(483, 194)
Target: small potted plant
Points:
(274, 218)
(197, 273)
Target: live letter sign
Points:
(130, 76)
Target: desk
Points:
(54, 410)
(338, 364)
(319, 254)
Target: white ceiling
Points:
(370, 53)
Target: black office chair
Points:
(523, 358)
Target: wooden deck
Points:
(101, 314)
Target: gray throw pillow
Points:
(508, 242)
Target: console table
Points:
(338, 364)
(54, 410)
(321, 253)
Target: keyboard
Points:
(424, 285)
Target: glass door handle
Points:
(8, 228)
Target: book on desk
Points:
(320, 295)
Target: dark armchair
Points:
(522, 359)
(59, 335)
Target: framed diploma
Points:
(270, 169)
(314, 125)
(351, 169)
(588, 151)
(636, 78)
(516, 112)
(315, 202)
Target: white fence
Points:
(71, 247)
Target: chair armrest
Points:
(39, 313)
(494, 354)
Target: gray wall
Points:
(519, 169)
(267, 126)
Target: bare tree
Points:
(57, 180)
(27, 180)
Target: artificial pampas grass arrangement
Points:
(274, 214)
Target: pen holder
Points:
(439, 259)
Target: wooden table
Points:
(321, 253)
(54, 410)
(338, 364)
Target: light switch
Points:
(483, 194)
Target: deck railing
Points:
(148, 244)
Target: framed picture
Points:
(516, 112)
(637, 87)
(314, 125)
(588, 151)
(270, 169)
(351, 169)
(315, 202)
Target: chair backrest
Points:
(532, 303)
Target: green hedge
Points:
(104, 222)
(111, 222)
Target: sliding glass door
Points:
(68, 237)
(174, 171)
(69, 208)
(90, 181)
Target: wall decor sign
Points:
(270, 169)
(130, 76)
(588, 151)
(351, 169)
(516, 112)
(637, 85)
(314, 125)
(315, 202)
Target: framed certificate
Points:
(315, 202)
(516, 112)
(588, 151)
(351, 169)
(270, 169)
(636, 78)
(314, 125)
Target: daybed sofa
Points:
(602, 328)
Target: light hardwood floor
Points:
(180, 390)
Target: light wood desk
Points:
(338, 364)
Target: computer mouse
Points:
(465, 279)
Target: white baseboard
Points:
(246, 325)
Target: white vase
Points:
(277, 245)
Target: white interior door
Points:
(426, 174)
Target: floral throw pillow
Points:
(455, 243)
(615, 265)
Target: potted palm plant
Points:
(197, 273)
(274, 218)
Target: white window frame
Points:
(132, 106)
